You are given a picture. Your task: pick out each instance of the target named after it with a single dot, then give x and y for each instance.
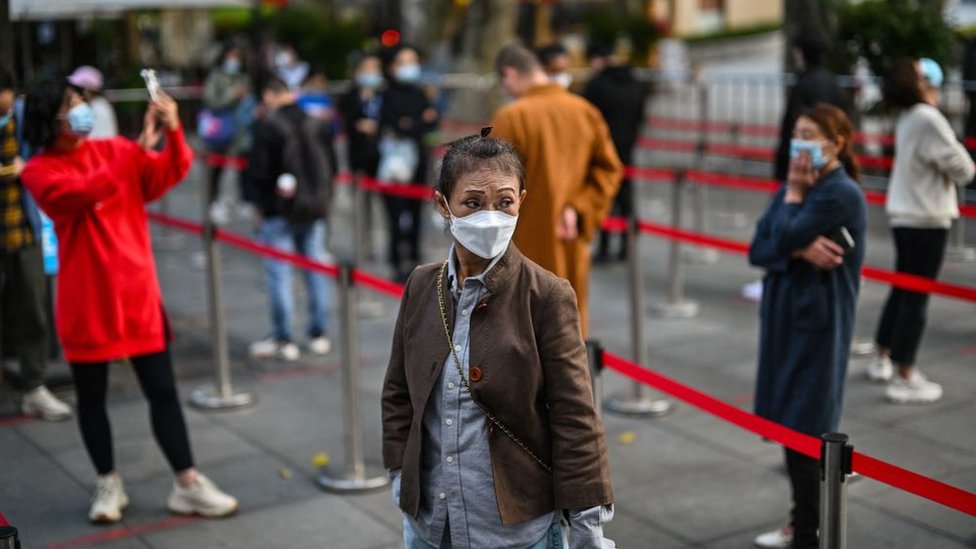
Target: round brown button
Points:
(481, 306)
(475, 373)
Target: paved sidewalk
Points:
(686, 480)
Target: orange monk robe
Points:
(569, 160)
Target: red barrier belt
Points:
(648, 174)
(899, 280)
(415, 191)
(763, 427)
(734, 181)
(378, 283)
(217, 160)
(895, 476)
(890, 474)
(3, 520)
(676, 145)
(917, 484)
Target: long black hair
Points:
(41, 123)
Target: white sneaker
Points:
(752, 291)
(203, 498)
(42, 403)
(777, 539)
(320, 345)
(109, 500)
(219, 213)
(880, 370)
(272, 348)
(917, 389)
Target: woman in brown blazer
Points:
(489, 428)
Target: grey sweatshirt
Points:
(929, 163)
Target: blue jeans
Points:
(309, 241)
(552, 540)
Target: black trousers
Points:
(623, 206)
(24, 323)
(404, 221)
(805, 480)
(155, 374)
(919, 252)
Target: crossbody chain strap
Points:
(464, 379)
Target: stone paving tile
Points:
(37, 496)
(734, 496)
(313, 523)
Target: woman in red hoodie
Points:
(109, 305)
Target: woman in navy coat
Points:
(810, 241)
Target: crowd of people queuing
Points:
(523, 203)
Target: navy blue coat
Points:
(807, 314)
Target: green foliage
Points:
(881, 31)
(323, 42)
(606, 26)
(739, 32)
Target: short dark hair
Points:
(813, 45)
(7, 81)
(477, 153)
(41, 123)
(518, 57)
(901, 88)
(550, 51)
(599, 49)
(273, 84)
(225, 50)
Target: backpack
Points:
(304, 155)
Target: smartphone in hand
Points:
(842, 237)
(152, 83)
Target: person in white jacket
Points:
(930, 164)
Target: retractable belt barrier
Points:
(874, 468)
(879, 470)
(762, 130)
(899, 280)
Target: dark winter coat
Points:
(807, 314)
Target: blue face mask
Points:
(371, 80)
(232, 65)
(81, 120)
(814, 148)
(5, 119)
(408, 73)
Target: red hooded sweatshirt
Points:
(109, 304)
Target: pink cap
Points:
(86, 77)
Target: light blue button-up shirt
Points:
(457, 495)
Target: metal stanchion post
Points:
(594, 358)
(221, 395)
(367, 304)
(639, 402)
(354, 479)
(8, 538)
(835, 465)
(733, 217)
(697, 254)
(676, 306)
(958, 251)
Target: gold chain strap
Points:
(464, 379)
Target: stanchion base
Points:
(631, 406)
(863, 348)
(961, 255)
(208, 399)
(351, 485)
(701, 256)
(681, 309)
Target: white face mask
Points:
(486, 234)
(564, 79)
